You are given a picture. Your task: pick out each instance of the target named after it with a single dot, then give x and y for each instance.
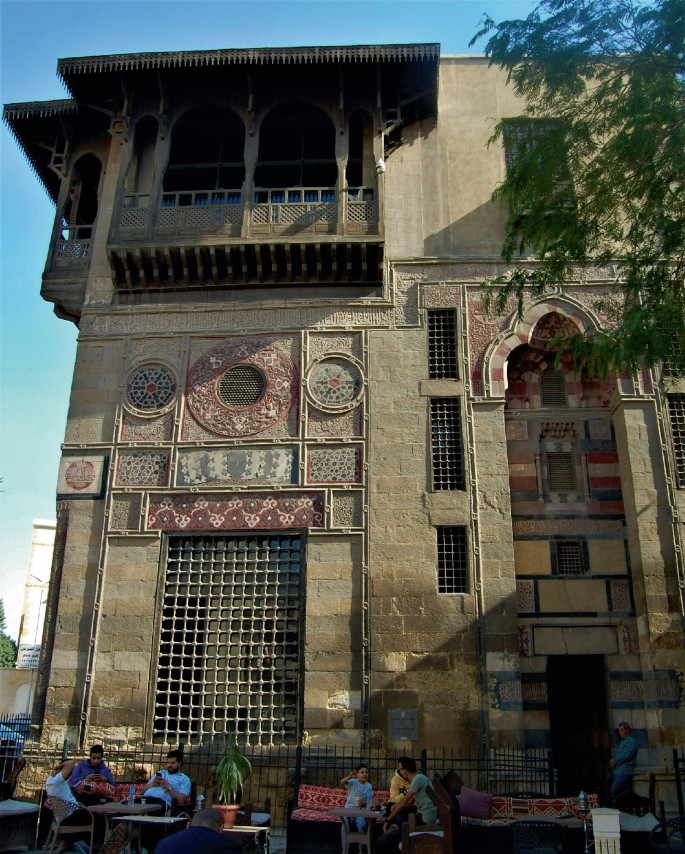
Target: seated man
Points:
(170, 786)
(202, 837)
(426, 810)
(65, 807)
(91, 770)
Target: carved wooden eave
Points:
(38, 127)
(241, 264)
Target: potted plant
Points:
(231, 772)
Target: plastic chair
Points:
(668, 837)
(61, 811)
(543, 837)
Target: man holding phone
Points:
(170, 786)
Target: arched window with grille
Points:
(552, 388)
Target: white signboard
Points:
(28, 655)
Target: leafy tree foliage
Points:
(597, 170)
(8, 648)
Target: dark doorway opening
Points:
(576, 690)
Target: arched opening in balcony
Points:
(360, 171)
(205, 172)
(80, 212)
(296, 173)
(140, 174)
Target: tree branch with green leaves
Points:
(600, 179)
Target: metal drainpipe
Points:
(366, 586)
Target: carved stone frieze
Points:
(125, 512)
(339, 464)
(347, 510)
(144, 349)
(142, 468)
(236, 512)
(321, 424)
(320, 344)
(548, 527)
(134, 429)
(566, 430)
(442, 296)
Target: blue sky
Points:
(36, 349)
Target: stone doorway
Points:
(579, 732)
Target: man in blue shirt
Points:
(92, 769)
(623, 761)
(202, 837)
(171, 785)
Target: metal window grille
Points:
(520, 136)
(241, 385)
(230, 639)
(569, 554)
(561, 472)
(552, 388)
(452, 560)
(442, 345)
(676, 413)
(447, 454)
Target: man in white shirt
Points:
(64, 804)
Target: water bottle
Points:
(200, 803)
(131, 795)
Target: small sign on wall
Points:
(81, 476)
(28, 655)
(403, 724)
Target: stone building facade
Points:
(310, 488)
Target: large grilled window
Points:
(230, 639)
(442, 345)
(447, 455)
(452, 560)
(676, 414)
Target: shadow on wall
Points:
(479, 232)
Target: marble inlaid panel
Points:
(237, 465)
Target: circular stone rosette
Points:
(150, 389)
(335, 383)
(215, 415)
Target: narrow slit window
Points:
(452, 560)
(446, 440)
(442, 345)
(676, 415)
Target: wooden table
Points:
(366, 838)
(111, 809)
(247, 835)
(17, 824)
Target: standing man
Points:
(623, 761)
(170, 786)
(426, 811)
(202, 837)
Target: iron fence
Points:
(277, 771)
(679, 771)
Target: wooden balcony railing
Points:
(289, 210)
(73, 246)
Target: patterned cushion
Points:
(486, 822)
(519, 806)
(501, 807)
(320, 797)
(97, 787)
(122, 790)
(301, 814)
(539, 807)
